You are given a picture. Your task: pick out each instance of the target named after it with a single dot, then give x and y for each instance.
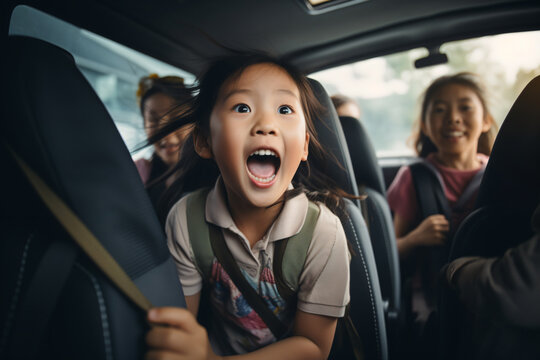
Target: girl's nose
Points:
(265, 125)
(454, 116)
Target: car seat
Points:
(370, 181)
(56, 123)
(508, 195)
(367, 309)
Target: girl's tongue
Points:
(261, 166)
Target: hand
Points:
(431, 232)
(176, 334)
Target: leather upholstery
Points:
(367, 309)
(364, 159)
(370, 180)
(508, 196)
(510, 189)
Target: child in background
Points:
(159, 99)
(345, 106)
(252, 118)
(455, 135)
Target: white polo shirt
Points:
(323, 287)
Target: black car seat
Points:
(369, 178)
(367, 309)
(508, 195)
(56, 123)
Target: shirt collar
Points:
(287, 224)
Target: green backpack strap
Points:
(288, 265)
(199, 235)
(289, 254)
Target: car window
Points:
(387, 88)
(113, 70)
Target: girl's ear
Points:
(306, 148)
(202, 148)
(487, 123)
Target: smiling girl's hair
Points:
(194, 172)
(422, 144)
(172, 86)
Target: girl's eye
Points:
(242, 108)
(438, 110)
(284, 110)
(466, 108)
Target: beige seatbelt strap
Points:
(83, 236)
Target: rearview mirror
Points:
(435, 57)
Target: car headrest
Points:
(512, 177)
(57, 124)
(367, 171)
(333, 141)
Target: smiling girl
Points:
(160, 98)
(455, 136)
(253, 120)
(454, 139)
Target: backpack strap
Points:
(431, 200)
(199, 238)
(433, 184)
(289, 256)
(288, 265)
(471, 189)
(198, 231)
(429, 188)
(255, 301)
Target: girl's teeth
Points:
(263, 153)
(265, 180)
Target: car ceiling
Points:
(188, 33)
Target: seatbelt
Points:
(426, 178)
(429, 189)
(431, 199)
(83, 236)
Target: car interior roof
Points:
(187, 34)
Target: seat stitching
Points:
(369, 284)
(16, 293)
(103, 313)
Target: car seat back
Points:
(370, 180)
(510, 189)
(56, 123)
(367, 309)
(508, 196)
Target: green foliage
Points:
(389, 119)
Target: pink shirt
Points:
(402, 195)
(144, 167)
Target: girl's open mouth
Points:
(262, 166)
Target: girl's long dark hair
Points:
(193, 172)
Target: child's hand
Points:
(432, 231)
(176, 334)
